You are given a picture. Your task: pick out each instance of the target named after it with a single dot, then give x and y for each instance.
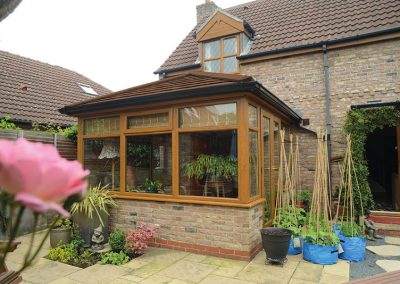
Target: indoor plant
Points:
(92, 212)
(61, 232)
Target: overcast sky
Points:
(118, 45)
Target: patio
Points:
(175, 267)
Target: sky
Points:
(118, 45)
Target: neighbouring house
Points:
(32, 91)
(197, 152)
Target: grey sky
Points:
(118, 45)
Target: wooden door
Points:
(397, 181)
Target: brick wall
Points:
(357, 75)
(215, 230)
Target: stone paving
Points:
(177, 267)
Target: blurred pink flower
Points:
(37, 175)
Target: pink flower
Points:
(38, 177)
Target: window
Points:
(149, 164)
(267, 167)
(220, 55)
(101, 157)
(87, 89)
(212, 115)
(208, 164)
(253, 116)
(149, 120)
(253, 163)
(101, 125)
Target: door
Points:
(397, 181)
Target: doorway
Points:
(382, 157)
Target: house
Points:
(238, 77)
(32, 91)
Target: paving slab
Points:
(177, 281)
(98, 273)
(48, 271)
(213, 279)
(342, 268)
(166, 256)
(389, 265)
(228, 271)
(64, 280)
(156, 279)
(147, 270)
(188, 271)
(131, 278)
(308, 271)
(266, 273)
(327, 278)
(392, 240)
(385, 250)
(121, 281)
(195, 257)
(299, 281)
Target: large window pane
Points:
(212, 49)
(253, 163)
(149, 164)
(267, 168)
(213, 115)
(149, 120)
(276, 155)
(230, 64)
(208, 164)
(101, 157)
(253, 116)
(230, 45)
(212, 66)
(101, 125)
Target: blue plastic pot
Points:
(320, 254)
(353, 248)
(292, 249)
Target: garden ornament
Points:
(371, 231)
(98, 239)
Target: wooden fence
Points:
(65, 147)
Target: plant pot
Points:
(353, 248)
(276, 242)
(86, 226)
(60, 236)
(320, 254)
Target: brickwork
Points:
(215, 230)
(358, 75)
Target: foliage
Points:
(5, 123)
(351, 229)
(151, 185)
(114, 258)
(293, 221)
(78, 242)
(319, 234)
(73, 254)
(62, 223)
(211, 166)
(117, 240)
(48, 127)
(70, 132)
(97, 200)
(359, 123)
(304, 196)
(136, 240)
(138, 155)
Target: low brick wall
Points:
(213, 230)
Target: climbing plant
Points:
(359, 123)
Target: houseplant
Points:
(92, 212)
(61, 232)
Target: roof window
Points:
(87, 89)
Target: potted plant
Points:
(352, 241)
(92, 212)
(211, 167)
(152, 186)
(292, 219)
(61, 232)
(304, 199)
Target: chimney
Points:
(205, 10)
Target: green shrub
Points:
(71, 133)
(78, 242)
(5, 123)
(114, 258)
(117, 240)
(64, 253)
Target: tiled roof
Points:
(289, 23)
(33, 91)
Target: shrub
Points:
(114, 258)
(117, 240)
(136, 241)
(5, 123)
(64, 253)
(71, 133)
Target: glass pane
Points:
(230, 45)
(212, 66)
(276, 155)
(101, 125)
(253, 163)
(230, 64)
(208, 164)
(212, 49)
(101, 157)
(213, 115)
(149, 120)
(267, 168)
(253, 116)
(245, 43)
(149, 164)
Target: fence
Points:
(65, 147)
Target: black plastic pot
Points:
(276, 243)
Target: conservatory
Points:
(196, 154)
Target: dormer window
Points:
(220, 55)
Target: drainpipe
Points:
(328, 113)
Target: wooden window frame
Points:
(222, 55)
(242, 126)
